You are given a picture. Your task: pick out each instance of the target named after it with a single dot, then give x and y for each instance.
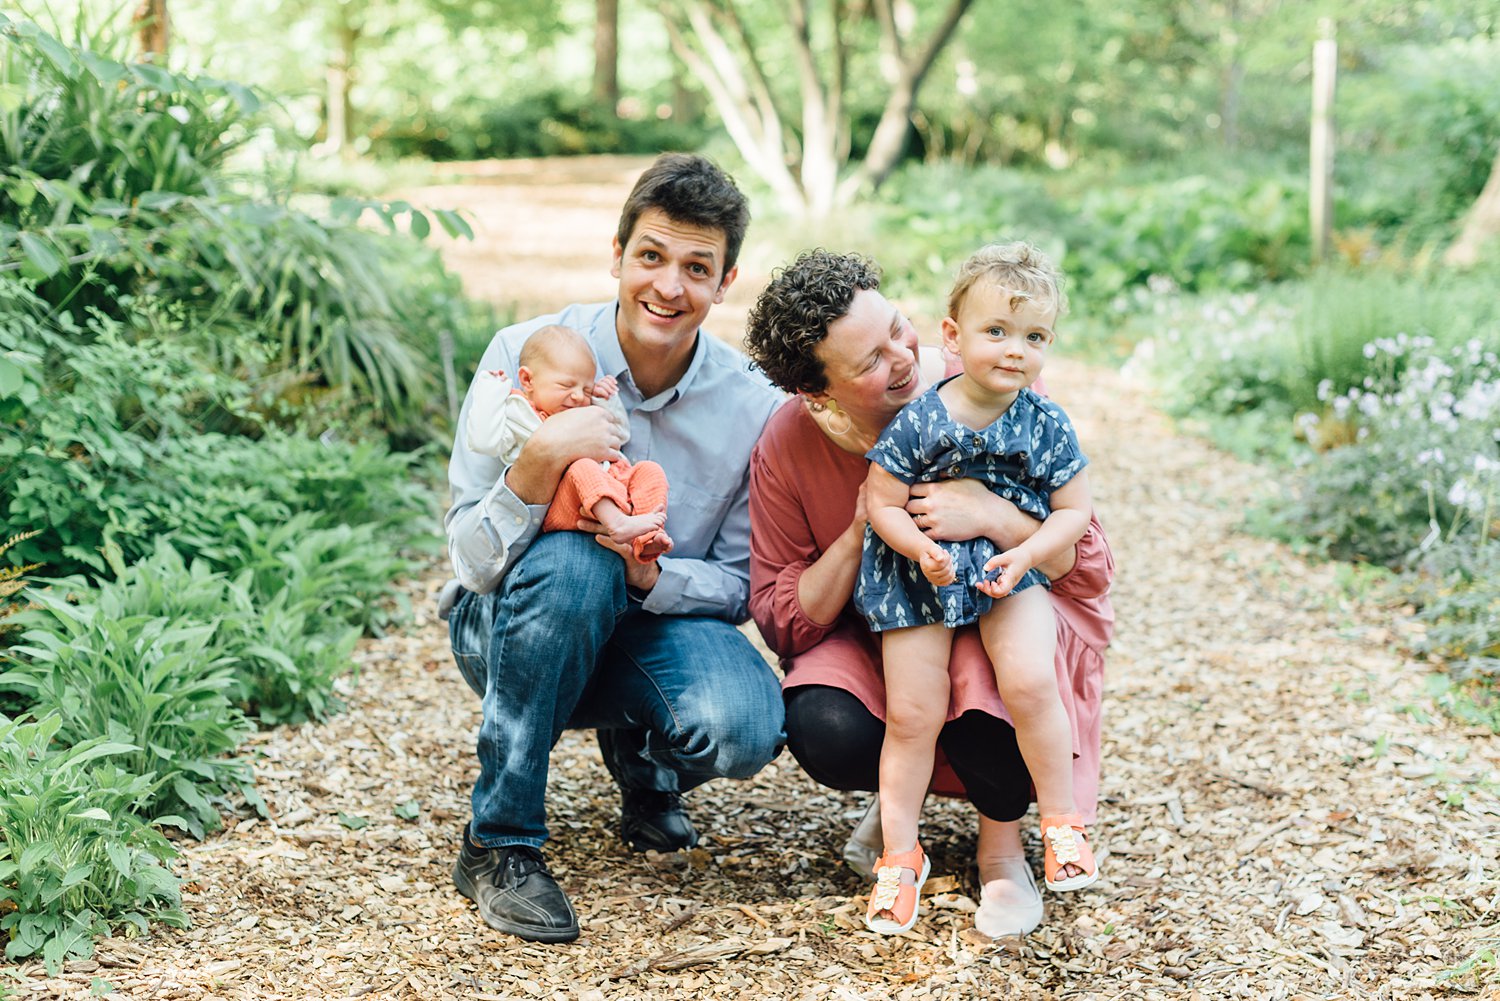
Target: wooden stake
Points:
(1320, 190)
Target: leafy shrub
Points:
(283, 654)
(75, 859)
(1457, 592)
(1428, 113)
(113, 200)
(1198, 232)
(1195, 233)
(551, 122)
(12, 582)
(1424, 469)
(140, 680)
(1262, 358)
(104, 441)
(336, 574)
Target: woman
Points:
(822, 331)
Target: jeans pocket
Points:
(468, 634)
(472, 667)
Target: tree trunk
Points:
(895, 120)
(152, 30)
(340, 76)
(1481, 225)
(607, 54)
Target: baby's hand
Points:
(937, 566)
(606, 387)
(1012, 564)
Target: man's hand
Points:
(1012, 564)
(565, 437)
(937, 566)
(641, 576)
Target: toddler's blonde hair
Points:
(1019, 268)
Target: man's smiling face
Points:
(670, 274)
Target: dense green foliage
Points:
(1193, 233)
(542, 123)
(75, 859)
(1379, 395)
(204, 394)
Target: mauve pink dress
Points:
(802, 493)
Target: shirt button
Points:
(978, 442)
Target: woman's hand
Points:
(955, 510)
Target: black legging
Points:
(837, 741)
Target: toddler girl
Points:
(985, 423)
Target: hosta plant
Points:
(75, 860)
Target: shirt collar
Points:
(612, 359)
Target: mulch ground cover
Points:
(1284, 817)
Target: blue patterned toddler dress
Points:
(1025, 455)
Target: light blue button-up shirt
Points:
(700, 431)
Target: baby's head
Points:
(1019, 268)
(1001, 314)
(556, 370)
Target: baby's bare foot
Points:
(629, 527)
(649, 547)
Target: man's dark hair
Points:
(792, 314)
(690, 189)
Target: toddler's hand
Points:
(606, 387)
(937, 566)
(1012, 564)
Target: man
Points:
(563, 629)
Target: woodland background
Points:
(243, 281)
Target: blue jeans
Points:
(678, 700)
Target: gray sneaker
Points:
(515, 892)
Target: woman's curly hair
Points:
(792, 314)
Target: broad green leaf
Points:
(11, 378)
(159, 200)
(119, 857)
(41, 256)
(102, 750)
(77, 875)
(155, 77)
(92, 813)
(11, 96)
(104, 70)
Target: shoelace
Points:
(523, 861)
(1064, 844)
(887, 887)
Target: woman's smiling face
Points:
(870, 360)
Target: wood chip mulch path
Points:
(1285, 817)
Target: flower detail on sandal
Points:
(1066, 842)
(887, 886)
(891, 897)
